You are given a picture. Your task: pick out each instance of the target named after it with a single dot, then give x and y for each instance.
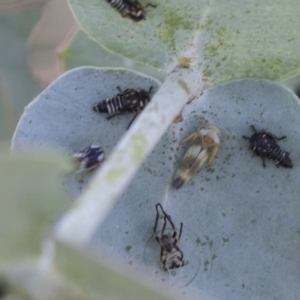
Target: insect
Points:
(264, 145)
(131, 100)
(204, 147)
(131, 9)
(89, 159)
(171, 256)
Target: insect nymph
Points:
(264, 145)
(131, 9)
(204, 147)
(89, 159)
(171, 256)
(130, 100)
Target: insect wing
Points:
(192, 161)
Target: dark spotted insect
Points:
(89, 159)
(130, 9)
(264, 145)
(171, 256)
(131, 100)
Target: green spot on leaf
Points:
(128, 248)
(184, 85)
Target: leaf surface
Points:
(224, 41)
(234, 215)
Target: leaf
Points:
(132, 149)
(82, 51)
(158, 41)
(222, 40)
(232, 216)
(31, 200)
(69, 101)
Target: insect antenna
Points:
(109, 117)
(278, 139)
(166, 216)
(157, 217)
(180, 231)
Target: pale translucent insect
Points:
(204, 147)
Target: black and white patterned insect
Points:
(171, 256)
(130, 100)
(263, 144)
(89, 159)
(130, 9)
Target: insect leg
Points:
(157, 216)
(264, 164)
(278, 139)
(212, 154)
(119, 89)
(164, 226)
(131, 121)
(189, 137)
(246, 137)
(180, 231)
(150, 4)
(113, 116)
(151, 87)
(167, 217)
(253, 128)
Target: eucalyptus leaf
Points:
(159, 41)
(83, 51)
(224, 40)
(240, 221)
(32, 199)
(62, 116)
(241, 225)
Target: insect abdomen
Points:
(110, 105)
(280, 157)
(119, 5)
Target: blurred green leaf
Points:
(31, 200)
(107, 282)
(224, 40)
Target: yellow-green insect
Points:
(204, 147)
